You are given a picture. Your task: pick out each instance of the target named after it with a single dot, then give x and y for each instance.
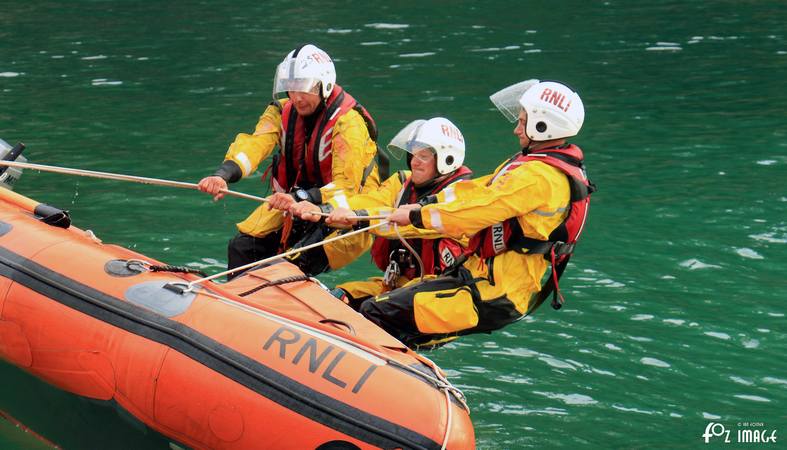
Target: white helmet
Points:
(554, 111)
(438, 134)
(302, 70)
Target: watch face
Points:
(301, 194)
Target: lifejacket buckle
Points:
(561, 248)
(402, 257)
(397, 259)
(392, 273)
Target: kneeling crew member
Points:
(526, 215)
(435, 150)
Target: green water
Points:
(675, 314)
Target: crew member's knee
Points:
(238, 242)
(372, 311)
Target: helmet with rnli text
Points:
(305, 69)
(438, 134)
(554, 111)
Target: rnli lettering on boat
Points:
(326, 361)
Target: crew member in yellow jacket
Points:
(435, 150)
(326, 142)
(524, 216)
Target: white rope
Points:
(396, 229)
(450, 413)
(121, 177)
(191, 285)
(412, 251)
(359, 218)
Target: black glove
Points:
(229, 171)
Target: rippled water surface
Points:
(675, 314)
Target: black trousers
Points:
(245, 249)
(396, 311)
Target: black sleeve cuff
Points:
(229, 171)
(315, 196)
(361, 223)
(415, 218)
(326, 209)
(428, 200)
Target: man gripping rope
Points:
(327, 143)
(435, 150)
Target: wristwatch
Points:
(301, 194)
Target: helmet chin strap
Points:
(323, 100)
(538, 145)
(439, 177)
(526, 149)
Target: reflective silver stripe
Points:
(450, 195)
(341, 199)
(385, 228)
(244, 163)
(437, 223)
(549, 214)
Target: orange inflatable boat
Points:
(269, 360)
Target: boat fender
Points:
(52, 216)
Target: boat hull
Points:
(286, 366)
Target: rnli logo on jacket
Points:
(447, 257)
(325, 144)
(498, 237)
(320, 357)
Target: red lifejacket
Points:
(436, 254)
(308, 164)
(508, 235)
